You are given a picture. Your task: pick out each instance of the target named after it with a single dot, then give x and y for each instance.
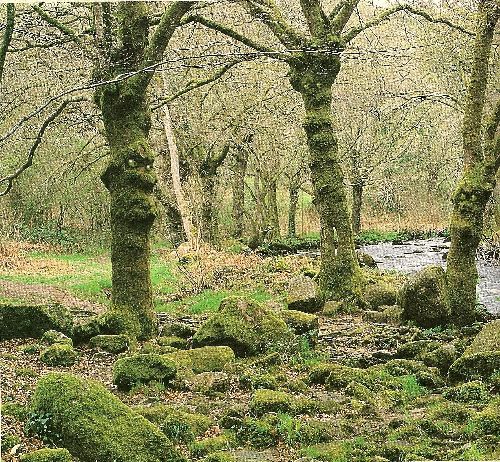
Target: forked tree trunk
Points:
(481, 162)
(339, 273)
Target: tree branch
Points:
(9, 179)
(316, 19)
(230, 33)
(268, 12)
(57, 24)
(344, 14)
(7, 36)
(193, 85)
(352, 33)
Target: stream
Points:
(412, 256)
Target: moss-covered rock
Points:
(487, 422)
(379, 292)
(423, 298)
(173, 341)
(85, 330)
(299, 321)
(481, 359)
(303, 295)
(245, 326)
(59, 354)
(111, 343)
(413, 349)
(31, 321)
(48, 455)
(219, 456)
(178, 329)
(205, 446)
(366, 260)
(178, 425)
(264, 401)
(474, 392)
(210, 382)
(95, 425)
(142, 369)
(52, 336)
(204, 359)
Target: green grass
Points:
(208, 301)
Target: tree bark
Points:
(357, 204)
(293, 193)
(481, 163)
(240, 169)
(129, 176)
(272, 210)
(209, 215)
(313, 76)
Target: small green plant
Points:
(41, 425)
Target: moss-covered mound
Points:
(59, 354)
(32, 321)
(173, 341)
(303, 295)
(264, 401)
(111, 343)
(52, 336)
(245, 326)
(423, 298)
(430, 352)
(379, 290)
(178, 425)
(142, 369)
(48, 455)
(94, 425)
(299, 321)
(482, 358)
(204, 359)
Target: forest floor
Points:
(395, 419)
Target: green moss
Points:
(52, 336)
(260, 433)
(476, 366)
(204, 359)
(8, 441)
(245, 326)
(303, 295)
(380, 290)
(487, 422)
(474, 392)
(17, 410)
(210, 382)
(176, 424)
(84, 331)
(59, 354)
(264, 401)
(423, 298)
(173, 341)
(219, 457)
(300, 322)
(111, 343)
(31, 321)
(205, 446)
(178, 329)
(142, 369)
(48, 455)
(93, 424)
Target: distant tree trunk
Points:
(272, 210)
(129, 176)
(357, 204)
(209, 213)
(313, 78)
(293, 193)
(240, 169)
(165, 193)
(182, 204)
(481, 163)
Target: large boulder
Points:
(93, 424)
(204, 359)
(303, 295)
(245, 326)
(482, 358)
(32, 321)
(423, 298)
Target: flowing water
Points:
(412, 256)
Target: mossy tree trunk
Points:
(481, 155)
(314, 60)
(129, 176)
(238, 187)
(272, 210)
(340, 273)
(293, 195)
